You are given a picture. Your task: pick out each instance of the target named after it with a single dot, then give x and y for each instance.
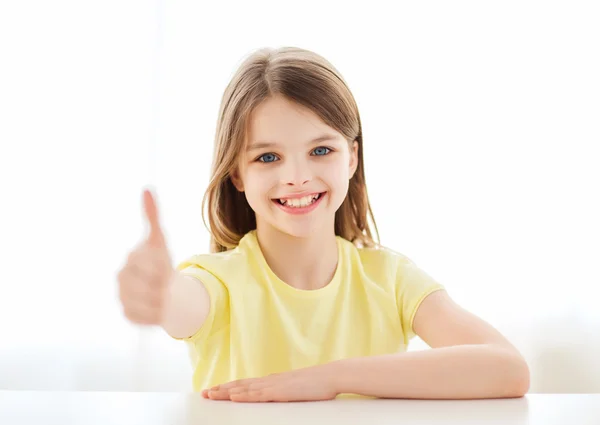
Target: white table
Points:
(128, 408)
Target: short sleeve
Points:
(413, 286)
(218, 315)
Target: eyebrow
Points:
(266, 144)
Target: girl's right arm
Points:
(153, 293)
(186, 308)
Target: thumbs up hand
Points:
(145, 278)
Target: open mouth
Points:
(299, 203)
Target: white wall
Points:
(562, 353)
(486, 113)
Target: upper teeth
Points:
(300, 202)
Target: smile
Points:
(301, 205)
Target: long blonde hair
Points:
(310, 80)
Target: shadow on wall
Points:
(564, 355)
(563, 352)
(166, 369)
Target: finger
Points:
(251, 386)
(137, 285)
(156, 236)
(141, 314)
(222, 392)
(149, 264)
(147, 299)
(135, 291)
(236, 383)
(141, 268)
(140, 320)
(218, 394)
(250, 396)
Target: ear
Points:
(236, 180)
(353, 158)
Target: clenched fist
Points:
(145, 278)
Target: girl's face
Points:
(296, 169)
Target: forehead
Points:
(280, 120)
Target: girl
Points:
(297, 300)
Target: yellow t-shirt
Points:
(258, 325)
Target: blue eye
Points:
(268, 157)
(320, 151)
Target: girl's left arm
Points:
(469, 359)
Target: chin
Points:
(303, 230)
(301, 233)
(300, 228)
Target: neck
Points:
(302, 262)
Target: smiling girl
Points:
(297, 300)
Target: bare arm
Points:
(187, 306)
(469, 359)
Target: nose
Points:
(296, 173)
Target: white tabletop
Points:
(128, 408)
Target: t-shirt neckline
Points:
(331, 286)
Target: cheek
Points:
(337, 179)
(336, 174)
(257, 185)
